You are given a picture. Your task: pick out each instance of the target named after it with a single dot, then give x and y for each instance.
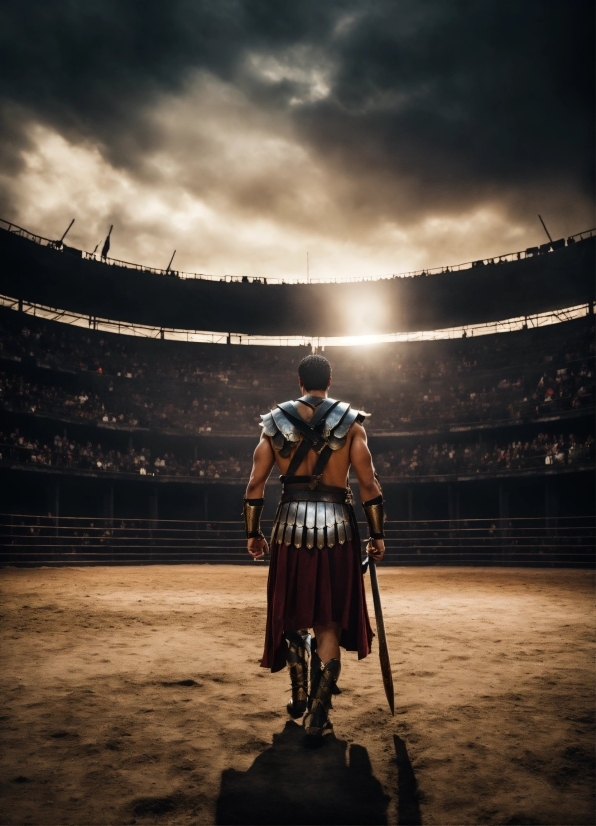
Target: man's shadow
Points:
(289, 784)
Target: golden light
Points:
(364, 318)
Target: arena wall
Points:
(120, 449)
(558, 279)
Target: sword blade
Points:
(383, 650)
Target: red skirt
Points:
(315, 587)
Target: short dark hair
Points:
(315, 373)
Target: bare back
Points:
(355, 452)
(338, 465)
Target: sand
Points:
(134, 695)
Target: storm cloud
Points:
(381, 136)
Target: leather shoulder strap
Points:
(313, 437)
(322, 411)
(308, 428)
(301, 451)
(310, 401)
(320, 466)
(289, 410)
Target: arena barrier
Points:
(28, 540)
(59, 246)
(107, 325)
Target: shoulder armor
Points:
(339, 432)
(346, 423)
(284, 434)
(281, 431)
(268, 425)
(335, 417)
(288, 429)
(270, 429)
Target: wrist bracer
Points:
(252, 510)
(374, 510)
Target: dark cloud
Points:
(465, 99)
(410, 108)
(85, 64)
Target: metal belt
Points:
(306, 520)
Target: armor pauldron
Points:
(374, 510)
(289, 430)
(268, 425)
(252, 510)
(346, 423)
(334, 418)
(285, 434)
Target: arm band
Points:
(252, 510)
(375, 516)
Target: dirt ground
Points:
(134, 695)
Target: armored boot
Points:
(297, 659)
(322, 685)
(316, 667)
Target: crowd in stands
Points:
(509, 399)
(48, 369)
(564, 389)
(445, 459)
(176, 412)
(437, 459)
(397, 403)
(59, 346)
(64, 452)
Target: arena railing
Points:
(107, 325)
(529, 252)
(29, 540)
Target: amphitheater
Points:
(133, 617)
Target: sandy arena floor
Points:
(127, 692)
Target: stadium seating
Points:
(90, 412)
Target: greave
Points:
(297, 660)
(323, 683)
(316, 666)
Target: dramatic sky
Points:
(378, 135)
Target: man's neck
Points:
(320, 394)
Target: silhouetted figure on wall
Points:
(106, 244)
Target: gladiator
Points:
(316, 601)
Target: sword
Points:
(383, 650)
